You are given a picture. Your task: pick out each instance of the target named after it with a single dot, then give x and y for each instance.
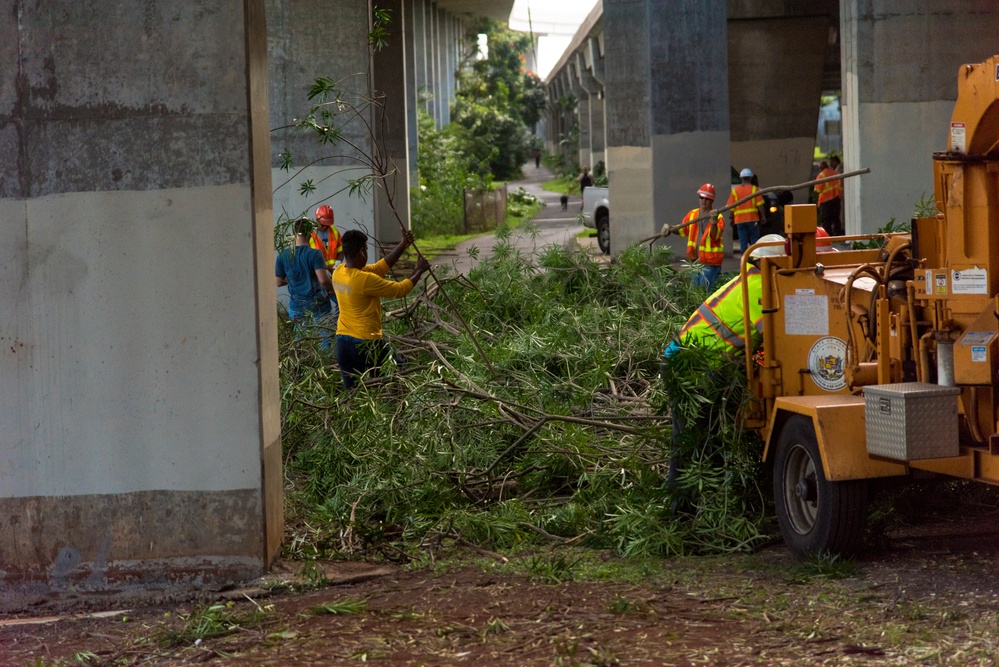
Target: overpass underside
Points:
(671, 95)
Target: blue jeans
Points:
(322, 325)
(749, 233)
(356, 356)
(708, 276)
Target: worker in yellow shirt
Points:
(359, 289)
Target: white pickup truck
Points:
(596, 215)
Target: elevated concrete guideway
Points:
(670, 96)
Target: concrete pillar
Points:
(420, 50)
(412, 101)
(582, 113)
(900, 63)
(598, 125)
(435, 64)
(666, 77)
(593, 103)
(389, 120)
(300, 51)
(775, 70)
(450, 64)
(138, 381)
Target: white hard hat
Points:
(770, 250)
(746, 173)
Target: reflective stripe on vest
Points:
(718, 323)
(708, 251)
(747, 210)
(330, 253)
(828, 191)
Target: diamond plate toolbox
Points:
(911, 420)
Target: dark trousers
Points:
(356, 356)
(829, 212)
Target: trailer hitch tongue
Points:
(806, 490)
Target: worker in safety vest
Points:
(746, 216)
(705, 240)
(718, 323)
(830, 198)
(717, 326)
(326, 237)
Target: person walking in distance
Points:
(746, 216)
(360, 287)
(705, 240)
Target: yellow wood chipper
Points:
(884, 362)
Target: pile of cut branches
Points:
(526, 408)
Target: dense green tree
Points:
(497, 101)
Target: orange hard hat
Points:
(707, 190)
(822, 234)
(324, 215)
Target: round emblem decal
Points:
(827, 362)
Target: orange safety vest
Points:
(711, 249)
(831, 190)
(330, 253)
(747, 211)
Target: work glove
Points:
(667, 230)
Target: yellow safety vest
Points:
(718, 323)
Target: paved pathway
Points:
(554, 226)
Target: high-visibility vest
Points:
(329, 253)
(718, 324)
(831, 190)
(709, 248)
(747, 211)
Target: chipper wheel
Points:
(815, 515)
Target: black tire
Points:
(603, 233)
(816, 516)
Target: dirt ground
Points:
(928, 596)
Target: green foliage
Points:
(824, 565)
(554, 568)
(892, 227)
(552, 435)
(497, 100)
(208, 622)
(340, 608)
(378, 37)
(926, 207)
(445, 173)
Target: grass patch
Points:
(562, 185)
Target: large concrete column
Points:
(593, 104)
(420, 48)
(582, 113)
(598, 125)
(900, 63)
(389, 121)
(667, 110)
(138, 373)
(412, 102)
(775, 70)
(300, 51)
